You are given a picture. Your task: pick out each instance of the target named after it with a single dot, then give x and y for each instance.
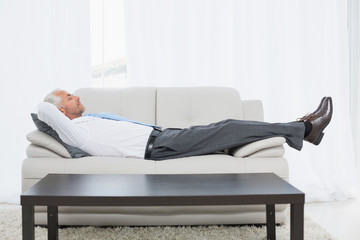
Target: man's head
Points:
(67, 103)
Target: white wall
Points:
(44, 44)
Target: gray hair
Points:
(53, 99)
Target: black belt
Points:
(150, 142)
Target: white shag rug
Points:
(10, 229)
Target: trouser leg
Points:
(199, 140)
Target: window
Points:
(108, 46)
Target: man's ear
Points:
(62, 110)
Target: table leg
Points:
(53, 232)
(28, 221)
(297, 222)
(270, 222)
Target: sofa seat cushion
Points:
(88, 165)
(222, 163)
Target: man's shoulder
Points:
(84, 119)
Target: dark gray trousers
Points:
(227, 134)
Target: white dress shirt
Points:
(97, 136)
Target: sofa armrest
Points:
(253, 110)
(271, 152)
(270, 147)
(36, 151)
(46, 141)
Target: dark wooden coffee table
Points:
(162, 190)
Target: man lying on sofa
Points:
(111, 135)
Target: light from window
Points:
(108, 46)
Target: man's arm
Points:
(68, 131)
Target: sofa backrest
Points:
(167, 107)
(136, 103)
(184, 107)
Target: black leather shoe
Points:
(319, 119)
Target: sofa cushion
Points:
(37, 151)
(43, 127)
(183, 107)
(256, 147)
(135, 103)
(222, 163)
(268, 152)
(44, 140)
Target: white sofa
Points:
(167, 107)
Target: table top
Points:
(161, 190)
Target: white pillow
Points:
(261, 147)
(46, 141)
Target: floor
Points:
(340, 218)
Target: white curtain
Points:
(44, 45)
(288, 53)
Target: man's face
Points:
(72, 107)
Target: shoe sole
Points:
(318, 140)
